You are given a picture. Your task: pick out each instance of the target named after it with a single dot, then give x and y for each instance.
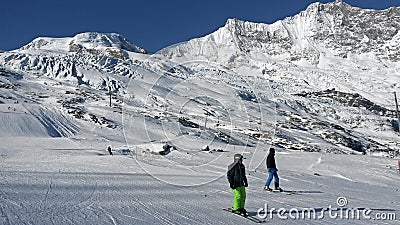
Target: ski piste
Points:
(251, 218)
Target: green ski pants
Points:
(239, 198)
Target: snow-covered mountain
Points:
(322, 80)
(316, 83)
(348, 53)
(87, 58)
(333, 38)
(335, 28)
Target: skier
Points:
(109, 150)
(272, 171)
(238, 182)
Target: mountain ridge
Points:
(333, 26)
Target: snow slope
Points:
(64, 182)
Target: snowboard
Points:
(251, 218)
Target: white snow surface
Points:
(67, 181)
(300, 85)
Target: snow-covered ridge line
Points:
(290, 64)
(91, 42)
(320, 29)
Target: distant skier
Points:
(238, 182)
(109, 150)
(272, 171)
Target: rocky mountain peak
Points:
(334, 27)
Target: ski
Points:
(251, 218)
(283, 192)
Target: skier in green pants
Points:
(238, 182)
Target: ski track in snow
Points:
(114, 197)
(50, 205)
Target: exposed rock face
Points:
(334, 27)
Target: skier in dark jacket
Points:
(109, 150)
(238, 182)
(272, 171)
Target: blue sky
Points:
(151, 24)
